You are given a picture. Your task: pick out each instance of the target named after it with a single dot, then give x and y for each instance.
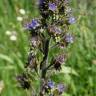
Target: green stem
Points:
(43, 65)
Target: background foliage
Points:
(80, 68)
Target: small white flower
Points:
(19, 18)
(13, 38)
(8, 32)
(22, 11)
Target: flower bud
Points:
(43, 7)
(35, 41)
(58, 61)
(54, 30)
(23, 80)
(67, 39)
(31, 61)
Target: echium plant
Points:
(48, 32)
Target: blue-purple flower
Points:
(60, 88)
(52, 6)
(69, 38)
(71, 20)
(33, 25)
(51, 84)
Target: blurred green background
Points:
(14, 46)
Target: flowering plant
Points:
(49, 32)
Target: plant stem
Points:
(43, 65)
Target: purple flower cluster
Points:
(55, 20)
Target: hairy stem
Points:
(43, 65)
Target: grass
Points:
(82, 53)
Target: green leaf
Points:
(9, 67)
(6, 58)
(65, 94)
(69, 70)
